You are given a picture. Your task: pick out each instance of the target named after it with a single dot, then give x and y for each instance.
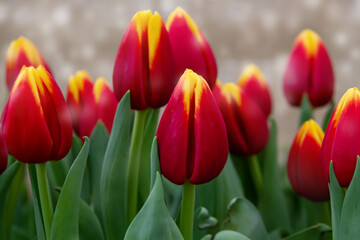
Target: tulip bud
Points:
(192, 139)
(252, 82)
(144, 63)
(191, 50)
(246, 123)
(100, 106)
(342, 142)
(21, 53)
(309, 71)
(304, 163)
(3, 153)
(79, 89)
(36, 121)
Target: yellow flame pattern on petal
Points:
(23, 44)
(154, 33)
(310, 40)
(231, 92)
(312, 129)
(352, 94)
(249, 71)
(98, 88)
(76, 83)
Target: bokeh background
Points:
(82, 34)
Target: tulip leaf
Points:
(350, 214)
(114, 173)
(153, 220)
(328, 115)
(230, 235)
(89, 224)
(98, 142)
(337, 199)
(65, 223)
(204, 220)
(245, 218)
(306, 110)
(5, 182)
(272, 198)
(155, 164)
(315, 232)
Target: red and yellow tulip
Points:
(252, 82)
(341, 142)
(3, 153)
(304, 163)
(246, 124)
(144, 63)
(36, 121)
(309, 71)
(80, 88)
(192, 138)
(191, 49)
(21, 53)
(101, 106)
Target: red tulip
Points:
(144, 63)
(191, 50)
(252, 82)
(192, 139)
(304, 164)
(309, 71)
(22, 53)
(36, 121)
(3, 153)
(100, 106)
(246, 123)
(341, 142)
(79, 89)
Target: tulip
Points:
(304, 163)
(79, 89)
(144, 63)
(192, 139)
(252, 82)
(309, 71)
(246, 123)
(3, 153)
(21, 53)
(100, 107)
(191, 49)
(341, 143)
(36, 121)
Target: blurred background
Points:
(82, 34)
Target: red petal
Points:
(3, 153)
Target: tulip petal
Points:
(3, 153)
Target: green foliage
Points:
(315, 232)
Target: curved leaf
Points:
(155, 164)
(204, 220)
(89, 224)
(230, 235)
(312, 233)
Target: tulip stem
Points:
(134, 164)
(256, 173)
(46, 206)
(187, 210)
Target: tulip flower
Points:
(192, 139)
(3, 153)
(101, 106)
(79, 89)
(21, 53)
(252, 82)
(246, 123)
(304, 163)
(191, 49)
(36, 121)
(144, 63)
(341, 143)
(309, 71)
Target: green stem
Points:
(187, 211)
(134, 164)
(46, 206)
(256, 173)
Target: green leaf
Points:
(306, 110)
(155, 163)
(245, 218)
(328, 115)
(65, 223)
(98, 142)
(114, 173)
(272, 199)
(337, 199)
(230, 235)
(312, 233)
(5, 182)
(153, 220)
(89, 224)
(350, 214)
(204, 220)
